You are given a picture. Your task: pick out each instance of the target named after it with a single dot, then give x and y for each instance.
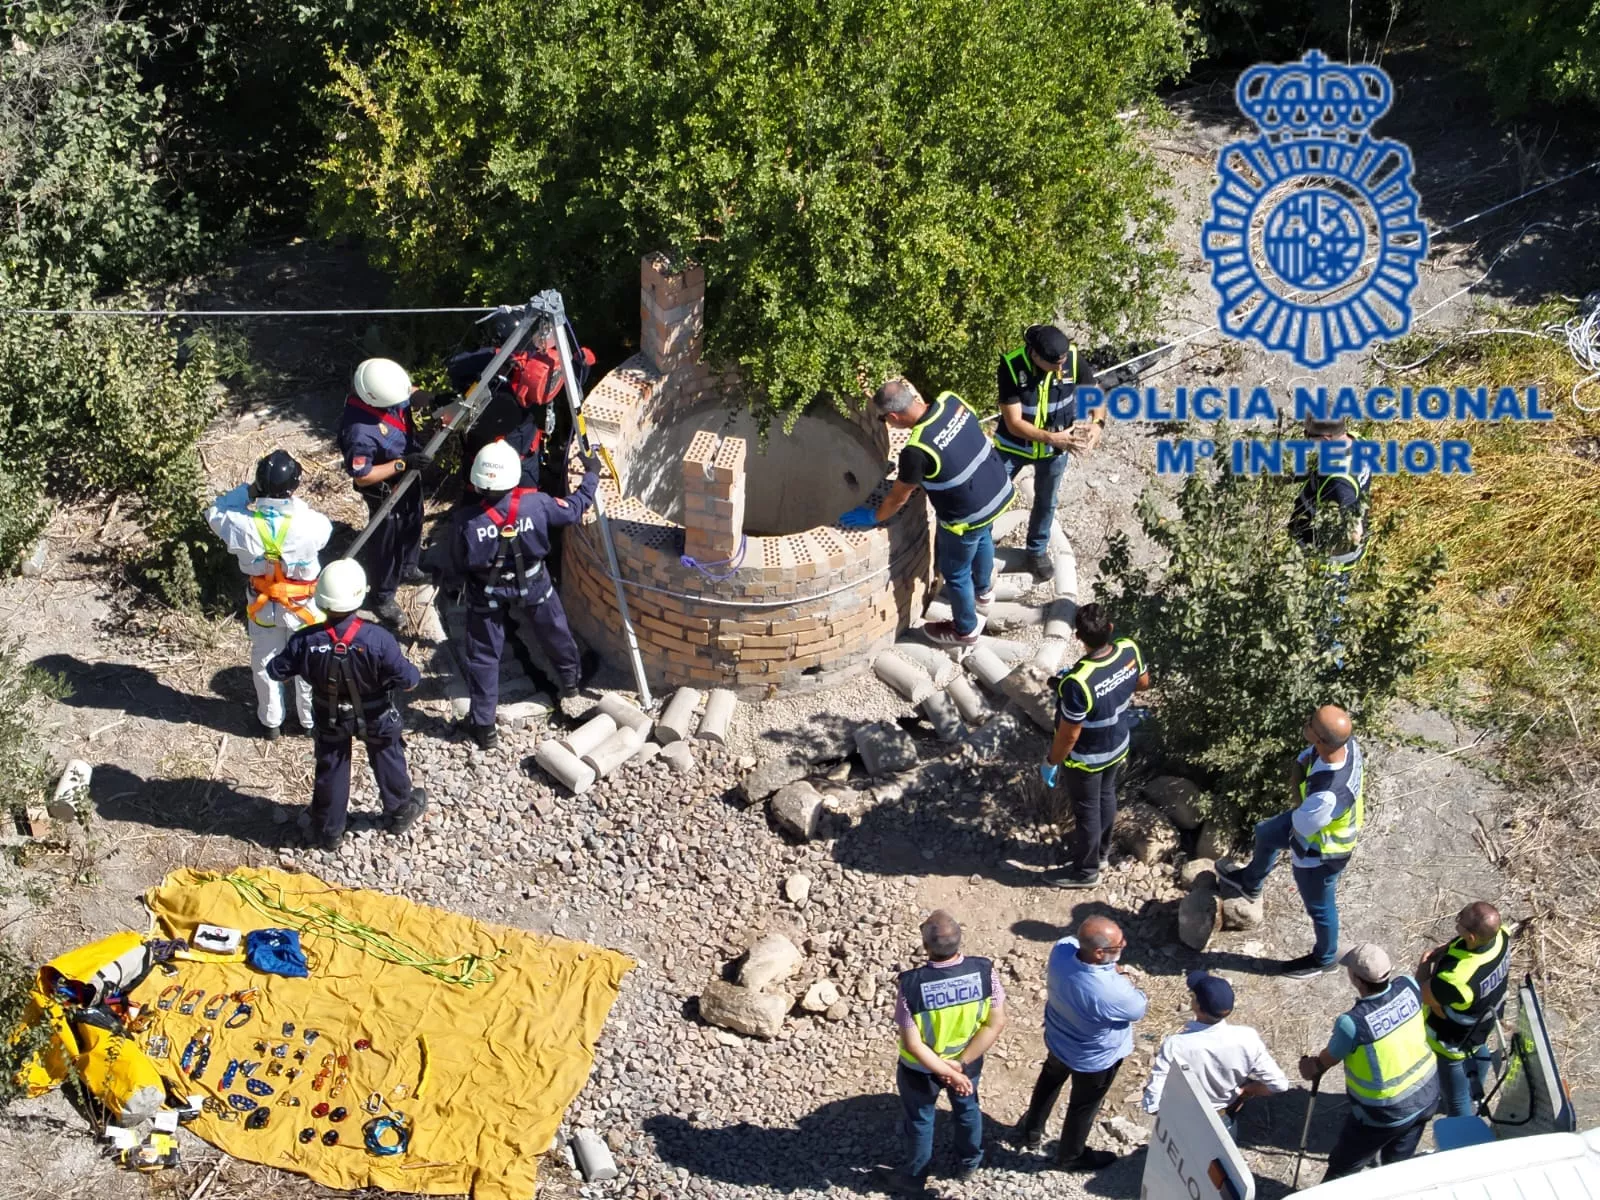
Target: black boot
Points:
(487, 736)
(410, 812)
(390, 613)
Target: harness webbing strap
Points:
(344, 670)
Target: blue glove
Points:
(859, 517)
(1048, 773)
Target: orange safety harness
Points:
(274, 586)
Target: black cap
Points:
(1048, 342)
(277, 475)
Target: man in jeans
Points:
(949, 1012)
(951, 458)
(1039, 425)
(1464, 985)
(1088, 1030)
(1094, 723)
(1320, 834)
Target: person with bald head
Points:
(1090, 1010)
(1464, 985)
(949, 1012)
(1320, 834)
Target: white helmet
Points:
(341, 587)
(382, 383)
(496, 469)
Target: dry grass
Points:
(1520, 599)
(1519, 646)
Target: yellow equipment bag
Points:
(112, 1066)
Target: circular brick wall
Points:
(801, 611)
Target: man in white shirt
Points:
(1320, 833)
(1229, 1063)
(277, 540)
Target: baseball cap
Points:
(1214, 994)
(1048, 342)
(1369, 962)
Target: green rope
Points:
(467, 970)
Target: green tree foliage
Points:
(1239, 31)
(1240, 627)
(873, 185)
(94, 410)
(24, 765)
(1528, 51)
(81, 185)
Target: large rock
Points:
(797, 889)
(1178, 798)
(821, 996)
(1199, 915)
(1240, 912)
(758, 1014)
(885, 748)
(797, 810)
(772, 774)
(1196, 869)
(1029, 688)
(771, 960)
(1144, 833)
(1212, 842)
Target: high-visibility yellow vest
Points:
(968, 486)
(1337, 839)
(949, 1004)
(1481, 975)
(1053, 407)
(1391, 1071)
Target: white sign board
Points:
(1191, 1156)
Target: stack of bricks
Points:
(803, 611)
(713, 498)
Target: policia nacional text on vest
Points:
(968, 486)
(1348, 782)
(1481, 976)
(949, 1005)
(1050, 403)
(1391, 1072)
(1110, 683)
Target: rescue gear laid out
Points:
(968, 486)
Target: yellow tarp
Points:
(505, 1058)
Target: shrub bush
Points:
(1239, 626)
(873, 186)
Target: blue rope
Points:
(736, 559)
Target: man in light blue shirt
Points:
(1320, 834)
(1088, 1031)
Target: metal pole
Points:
(575, 404)
(1305, 1130)
(476, 399)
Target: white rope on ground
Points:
(231, 312)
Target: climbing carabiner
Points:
(241, 1017)
(169, 997)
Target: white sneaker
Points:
(985, 601)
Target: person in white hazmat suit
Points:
(277, 540)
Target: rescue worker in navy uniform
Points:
(1464, 985)
(378, 438)
(951, 458)
(353, 668)
(498, 545)
(1342, 538)
(1389, 1072)
(1038, 425)
(1094, 727)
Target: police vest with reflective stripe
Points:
(1482, 976)
(949, 1005)
(1391, 1072)
(1110, 683)
(1348, 782)
(968, 486)
(1049, 403)
(1308, 503)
